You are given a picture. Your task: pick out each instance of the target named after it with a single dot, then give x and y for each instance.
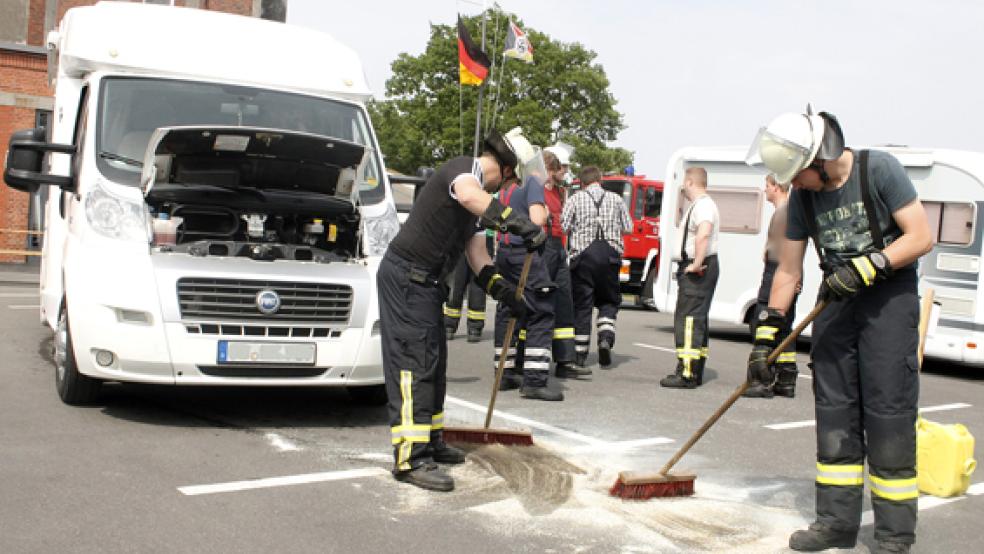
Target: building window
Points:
(950, 222)
(740, 209)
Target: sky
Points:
(711, 73)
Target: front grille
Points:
(236, 299)
(262, 372)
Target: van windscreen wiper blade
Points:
(119, 158)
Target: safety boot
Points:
(605, 354)
(821, 537)
(443, 453)
(426, 476)
(757, 390)
(892, 547)
(786, 380)
(541, 393)
(474, 335)
(567, 370)
(510, 381)
(699, 371)
(449, 333)
(581, 359)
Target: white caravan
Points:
(222, 204)
(951, 186)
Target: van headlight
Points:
(379, 231)
(115, 217)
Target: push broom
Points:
(485, 435)
(643, 486)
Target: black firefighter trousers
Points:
(530, 351)
(594, 274)
(866, 384)
(462, 280)
(694, 294)
(555, 256)
(415, 356)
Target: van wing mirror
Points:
(24, 161)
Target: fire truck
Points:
(643, 197)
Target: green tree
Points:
(427, 118)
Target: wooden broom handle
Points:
(744, 386)
(925, 311)
(510, 328)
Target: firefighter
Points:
(697, 276)
(557, 160)
(596, 220)
(869, 228)
(527, 364)
(441, 226)
(782, 377)
(460, 282)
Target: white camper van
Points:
(950, 185)
(218, 204)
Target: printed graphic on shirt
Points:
(845, 229)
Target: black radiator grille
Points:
(236, 299)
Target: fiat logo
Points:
(267, 301)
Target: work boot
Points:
(474, 335)
(449, 333)
(757, 390)
(892, 547)
(510, 382)
(786, 381)
(568, 370)
(821, 537)
(443, 453)
(677, 381)
(541, 393)
(427, 476)
(581, 359)
(699, 371)
(605, 354)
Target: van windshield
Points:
(130, 109)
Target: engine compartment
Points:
(260, 225)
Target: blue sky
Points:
(691, 73)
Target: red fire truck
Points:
(643, 198)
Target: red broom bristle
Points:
(487, 437)
(652, 490)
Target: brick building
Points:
(26, 97)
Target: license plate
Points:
(241, 352)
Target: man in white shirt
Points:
(697, 276)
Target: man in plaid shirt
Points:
(596, 220)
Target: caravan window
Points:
(740, 209)
(950, 222)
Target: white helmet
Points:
(562, 151)
(530, 157)
(787, 145)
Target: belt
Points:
(417, 273)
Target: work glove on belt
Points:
(503, 291)
(507, 220)
(859, 272)
(770, 323)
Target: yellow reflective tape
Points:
(894, 489)
(437, 421)
(786, 357)
(841, 481)
(522, 334)
(766, 332)
(475, 314)
(704, 351)
(561, 333)
(865, 269)
(851, 475)
(451, 312)
(837, 468)
(492, 281)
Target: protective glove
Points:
(859, 272)
(770, 323)
(505, 219)
(503, 291)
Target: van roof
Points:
(136, 38)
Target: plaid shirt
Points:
(582, 217)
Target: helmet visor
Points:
(532, 168)
(782, 157)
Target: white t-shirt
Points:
(703, 209)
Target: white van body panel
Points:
(951, 269)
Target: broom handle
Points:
(924, 312)
(744, 386)
(510, 327)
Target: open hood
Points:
(250, 157)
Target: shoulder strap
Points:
(869, 205)
(599, 232)
(504, 198)
(686, 230)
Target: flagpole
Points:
(481, 90)
(498, 90)
(492, 73)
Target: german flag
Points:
(473, 64)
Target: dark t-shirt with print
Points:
(841, 220)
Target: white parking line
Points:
(644, 345)
(591, 441)
(268, 482)
(926, 502)
(812, 422)
(24, 307)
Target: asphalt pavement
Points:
(160, 469)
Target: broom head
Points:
(483, 435)
(643, 486)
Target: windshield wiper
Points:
(118, 158)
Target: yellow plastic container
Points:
(945, 458)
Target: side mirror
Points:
(24, 161)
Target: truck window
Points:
(620, 188)
(654, 201)
(130, 108)
(950, 222)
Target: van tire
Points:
(373, 395)
(73, 387)
(646, 298)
